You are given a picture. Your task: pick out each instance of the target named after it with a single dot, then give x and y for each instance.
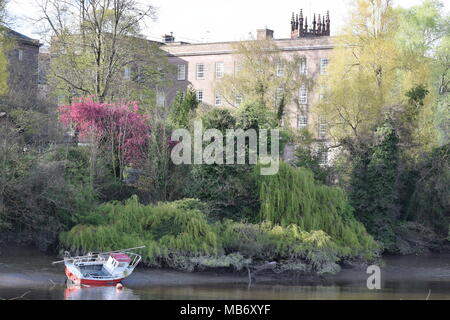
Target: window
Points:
(323, 65)
(302, 121)
(160, 98)
(200, 74)
(322, 127)
(280, 69)
(20, 55)
(238, 100)
(304, 66)
(126, 73)
(219, 70)
(181, 74)
(218, 100)
(199, 94)
(303, 95)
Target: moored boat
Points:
(101, 269)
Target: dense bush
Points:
(294, 197)
(229, 191)
(429, 203)
(183, 108)
(170, 231)
(289, 246)
(374, 185)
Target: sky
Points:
(217, 20)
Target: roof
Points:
(21, 37)
(121, 257)
(220, 48)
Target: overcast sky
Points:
(218, 20)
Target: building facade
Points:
(23, 67)
(202, 65)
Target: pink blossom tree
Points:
(114, 127)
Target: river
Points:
(26, 273)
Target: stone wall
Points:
(23, 71)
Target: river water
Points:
(26, 273)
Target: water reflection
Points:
(409, 277)
(75, 292)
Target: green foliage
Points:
(258, 79)
(159, 179)
(308, 155)
(429, 201)
(165, 229)
(183, 108)
(294, 197)
(313, 251)
(228, 190)
(417, 95)
(219, 118)
(374, 186)
(254, 115)
(4, 45)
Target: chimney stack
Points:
(168, 38)
(264, 34)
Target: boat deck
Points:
(94, 271)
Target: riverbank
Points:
(27, 270)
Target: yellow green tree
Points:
(97, 50)
(265, 75)
(370, 73)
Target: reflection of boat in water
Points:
(101, 269)
(84, 292)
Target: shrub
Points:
(293, 197)
(293, 248)
(165, 229)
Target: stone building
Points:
(201, 65)
(23, 56)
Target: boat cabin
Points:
(117, 263)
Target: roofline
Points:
(178, 44)
(222, 52)
(21, 37)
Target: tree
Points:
(374, 186)
(361, 71)
(118, 128)
(442, 78)
(308, 155)
(384, 88)
(3, 14)
(424, 43)
(228, 190)
(183, 108)
(97, 49)
(3, 46)
(160, 179)
(263, 75)
(370, 72)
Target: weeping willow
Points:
(165, 229)
(293, 197)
